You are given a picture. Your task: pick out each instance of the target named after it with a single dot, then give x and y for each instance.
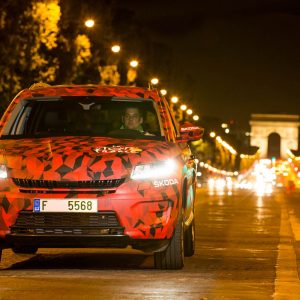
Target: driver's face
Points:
(132, 118)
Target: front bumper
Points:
(82, 241)
(143, 212)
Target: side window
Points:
(21, 121)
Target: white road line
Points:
(295, 225)
(287, 283)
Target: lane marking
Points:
(295, 226)
(287, 283)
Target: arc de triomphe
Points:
(264, 125)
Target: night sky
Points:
(242, 56)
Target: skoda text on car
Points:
(71, 174)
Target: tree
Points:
(29, 33)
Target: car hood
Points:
(80, 158)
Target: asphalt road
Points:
(248, 247)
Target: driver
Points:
(132, 119)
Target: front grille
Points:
(83, 184)
(98, 193)
(67, 223)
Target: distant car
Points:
(72, 176)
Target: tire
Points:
(189, 240)
(172, 257)
(25, 250)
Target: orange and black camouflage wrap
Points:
(145, 209)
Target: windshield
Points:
(88, 116)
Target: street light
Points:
(183, 107)
(212, 134)
(189, 111)
(89, 23)
(116, 48)
(174, 99)
(134, 63)
(163, 92)
(154, 81)
(195, 117)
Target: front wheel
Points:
(172, 257)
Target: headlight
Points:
(3, 172)
(156, 170)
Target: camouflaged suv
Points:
(73, 175)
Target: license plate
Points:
(65, 205)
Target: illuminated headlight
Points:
(156, 170)
(3, 172)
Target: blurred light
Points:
(211, 183)
(199, 174)
(227, 130)
(3, 172)
(189, 111)
(115, 48)
(89, 23)
(155, 170)
(229, 183)
(134, 63)
(225, 145)
(224, 125)
(174, 99)
(212, 134)
(163, 92)
(154, 80)
(247, 134)
(195, 117)
(220, 184)
(183, 107)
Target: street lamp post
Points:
(89, 23)
(163, 92)
(183, 108)
(189, 111)
(132, 72)
(173, 106)
(154, 80)
(195, 117)
(134, 63)
(116, 48)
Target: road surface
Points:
(248, 247)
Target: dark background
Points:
(232, 58)
(223, 58)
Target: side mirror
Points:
(190, 132)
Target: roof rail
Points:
(38, 85)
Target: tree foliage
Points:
(29, 33)
(46, 41)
